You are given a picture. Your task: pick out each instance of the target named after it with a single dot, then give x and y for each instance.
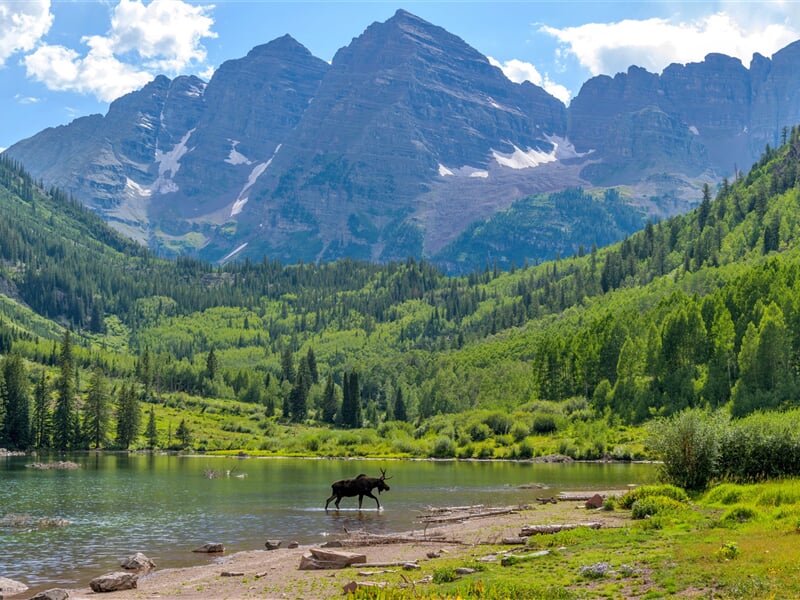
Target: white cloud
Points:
(144, 40)
(22, 25)
(165, 33)
(25, 99)
(519, 71)
(655, 43)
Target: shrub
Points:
(525, 450)
(654, 505)
(520, 431)
(444, 447)
(739, 514)
(727, 551)
(499, 422)
(444, 575)
(647, 491)
(688, 443)
(478, 431)
(544, 424)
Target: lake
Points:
(166, 505)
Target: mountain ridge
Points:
(408, 139)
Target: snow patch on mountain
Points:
(168, 165)
(235, 157)
(257, 171)
(524, 159)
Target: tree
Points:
(298, 397)
(400, 412)
(311, 363)
(287, 365)
(351, 402)
(150, 431)
(42, 415)
(64, 416)
(212, 364)
(329, 404)
(96, 410)
(184, 434)
(128, 416)
(16, 397)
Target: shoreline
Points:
(275, 574)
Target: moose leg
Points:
(328, 501)
(374, 498)
(360, 498)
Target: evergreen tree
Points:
(96, 410)
(184, 434)
(287, 365)
(329, 404)
(400, 412)
(64, 415)
(128, 416)
(150, 431)
(42, 414)
(17, 402)
(298, 398)
(353, 418)
(212, 364)
(311, 363)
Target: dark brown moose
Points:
(358, 486)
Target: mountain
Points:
(410, 143)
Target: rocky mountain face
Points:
(406, 141)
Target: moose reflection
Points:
(358, 486)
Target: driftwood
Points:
(513, 559)
(381, 565)
(513, 541)
(550, 500)
(529, 530)
(455, 514)
(584, 496)
(358, 539)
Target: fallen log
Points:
(513, 559)
(382, 565)
(529, 530)
(583, 496)
(464, 515)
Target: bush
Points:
(688, 443)
(739, 514)
(544, 424)
(647, 491)
(444, 447)
(520, 431)
(478, 432)
(499, 422)
(654, 505)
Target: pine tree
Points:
(64, 416)
(42, 414)
(150, 432)
(329, 401)
(298, 397)
(287, 365)
(212, 364)
(311, 363)
(18, 403)
(400, 413)
(96, 410)
(128, 416)
(184, 434)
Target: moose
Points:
(358, 486)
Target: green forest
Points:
(107, 346)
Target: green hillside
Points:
(350, 358)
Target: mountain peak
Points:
(282, 46)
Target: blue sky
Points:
(62, 59)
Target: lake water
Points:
(165, 505)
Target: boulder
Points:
(293, 544)
(273, 544)
(9, 587)
(53, 594)
(138, 562)
(114, 582)
(317, 558)
(595, 501)
(211, 547)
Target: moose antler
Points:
(383, 475)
